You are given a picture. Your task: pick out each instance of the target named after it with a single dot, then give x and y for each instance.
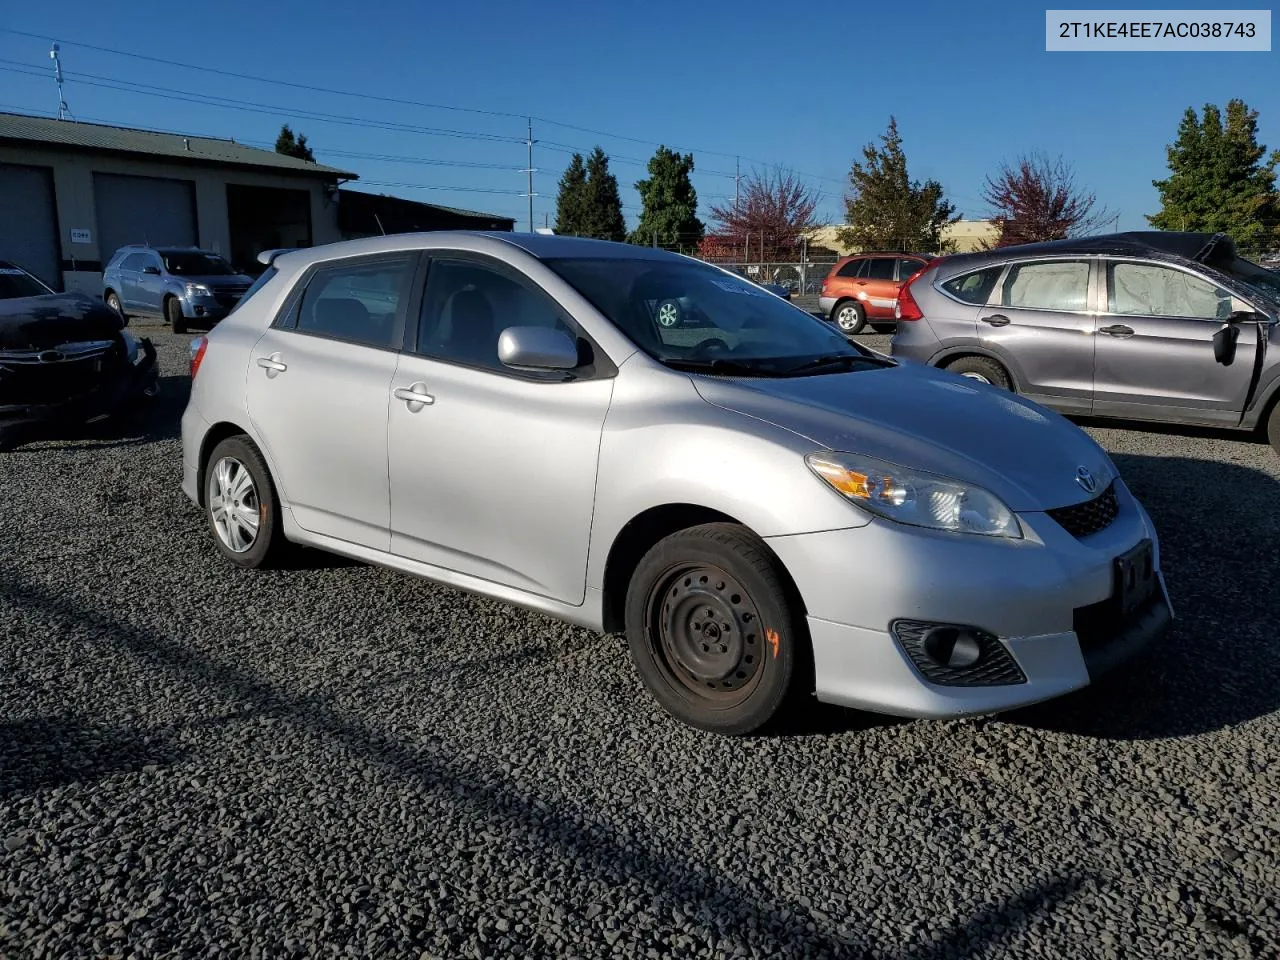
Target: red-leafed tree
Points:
(1037, 199)
(774, 210)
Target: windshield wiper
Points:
(833, 360)
(749, 368)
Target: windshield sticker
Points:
(734, 286)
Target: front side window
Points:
(974, 287)
(467, 306)
(1049, 285)
(1155, 290)
(693, 316)
(356, 303)
(196, 264)
(134, 261)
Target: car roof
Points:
(1162, 244)
(887, 253)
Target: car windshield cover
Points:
(694, 316)
(15, 283)
(196, 265)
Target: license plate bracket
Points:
(1135, 577)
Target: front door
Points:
(1155, 347)
(319, 385)
(149, 286)
(493, 471)
(1040, 323)
(130, 267)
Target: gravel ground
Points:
(342, 761)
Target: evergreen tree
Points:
(293, 146)
(669, 211)
(1220, 178)
(886, 210)
(602, 207)
(571, 203)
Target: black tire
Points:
(1273, 426)
(269, 545)
(849, 316)
(173, 313)
(113, 301)
(758, 657)
(982, 368)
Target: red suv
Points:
(864, 288)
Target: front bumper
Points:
(206, 309)
(23, 421)
(1030, 596)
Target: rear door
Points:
(878, 289)
(319, 386)
(1039, 322)
(1155, 346)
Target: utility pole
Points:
(530, 171)
(737, 177)
(63, 109)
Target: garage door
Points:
(29, 224)
(143, 210)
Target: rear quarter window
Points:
(263, 279)
(974, 287)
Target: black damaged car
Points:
(66, 359)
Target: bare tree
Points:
(774, 210)
(1037, 199)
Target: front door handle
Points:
(273, 364)
(997, 320)
(415, 396)
(1117, 330)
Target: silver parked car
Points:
(505, 413)
(1157, 326)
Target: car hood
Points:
(931, 420)
(34, 323)
(219, 280)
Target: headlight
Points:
(198, 290)
(130, 345)
(915, 497)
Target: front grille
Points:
(1083, 519)
(994, 667)
(55, 375)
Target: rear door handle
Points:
(273, 364)
(1117, 330)
(415, 396)
(997, 320)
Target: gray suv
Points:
(1153, 326)
(181, 284)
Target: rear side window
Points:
(851, 269)
(356, 303)
(974, 287)
(881, 268)
(1052, 285)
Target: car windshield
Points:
(15, 283)
(194, 264)
(694, 316)
(1265, 282)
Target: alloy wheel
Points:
(668, 315)
(847, 318)
(234, 505)
(976, 376)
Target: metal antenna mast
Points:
(530, 171)
(63, 109)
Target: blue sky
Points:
(803, 85)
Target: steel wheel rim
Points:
(706, 632)
(667, 315)
(976, 376)
(847, 318)
(235, 508)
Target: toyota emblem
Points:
(1086, 479)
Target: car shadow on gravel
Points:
(1219, 530)
(57, 751)
(741, 916)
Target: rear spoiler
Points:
(267, 257)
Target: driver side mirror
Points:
(537, 348)
(1224, 344)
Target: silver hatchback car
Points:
(768, 512)
(1150, 325)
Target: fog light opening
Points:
(952, 647)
